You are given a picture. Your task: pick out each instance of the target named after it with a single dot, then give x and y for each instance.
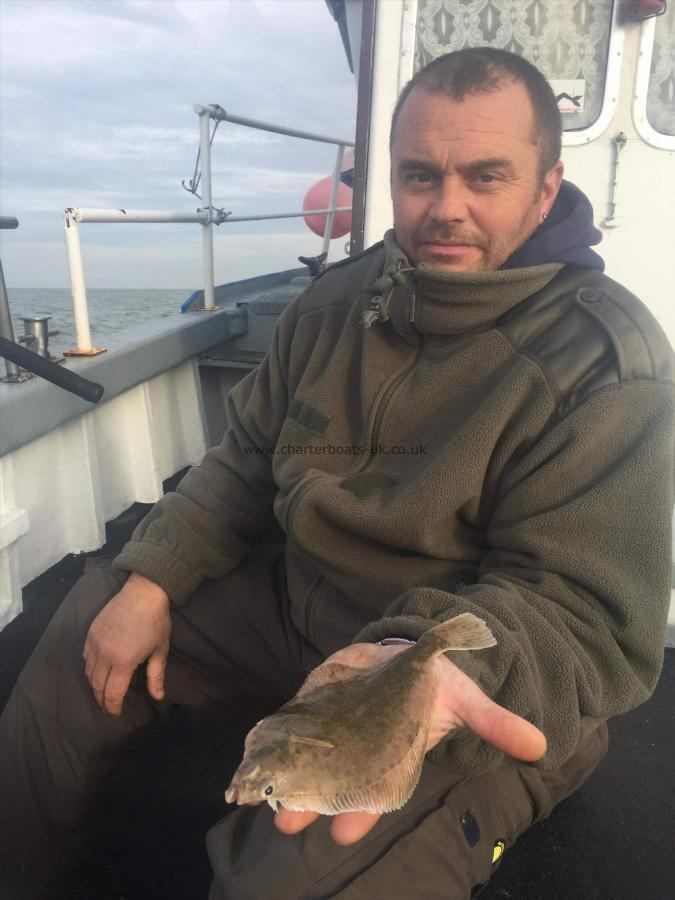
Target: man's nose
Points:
(450, 201)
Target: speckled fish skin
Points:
(351, 738)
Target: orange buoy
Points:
(318, 197)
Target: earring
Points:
(544, 217)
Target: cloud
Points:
(63, 36)
(97, 111)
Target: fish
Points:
(353, 739)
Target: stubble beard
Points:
(493, 254)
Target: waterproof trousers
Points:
(236, 655)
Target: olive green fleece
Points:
(495, 442)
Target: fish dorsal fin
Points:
(328, 673)
(312, 742)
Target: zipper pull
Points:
(413, 296)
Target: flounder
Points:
(352, 738)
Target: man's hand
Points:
(132, 627)
(459, 703)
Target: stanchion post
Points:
(78, 289)
(207, 227)
(333, 199)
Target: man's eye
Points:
(418, 177)
(485, 178)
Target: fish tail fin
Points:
(463, 632)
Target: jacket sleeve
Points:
(223, 505)
(575, 581)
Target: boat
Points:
(77, 470)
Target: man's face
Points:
(464, 178)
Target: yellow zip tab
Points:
(498, 851)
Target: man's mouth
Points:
(447, 248)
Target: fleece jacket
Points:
(434, 443)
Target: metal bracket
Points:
(93, 351)
(620, 141)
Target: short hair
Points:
(482, 70)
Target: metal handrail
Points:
(206, 215)
(218, 113)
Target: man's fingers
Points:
(115, 691)
(89, 666)
(98, 674)
(290, 822)
(348, 828)
(155, 671)
(505, 730)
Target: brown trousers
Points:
(235, 654)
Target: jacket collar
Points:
(428, 301)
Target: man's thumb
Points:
(155, 670)
(508, 732)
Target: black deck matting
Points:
(613, 840)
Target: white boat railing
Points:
(206, 215)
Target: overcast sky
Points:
(96, 111)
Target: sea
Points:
(110, 309)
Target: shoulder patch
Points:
(642, 349)
(348, 260)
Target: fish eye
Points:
(269, 790)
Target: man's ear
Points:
(550, 187)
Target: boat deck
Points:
(611, 841)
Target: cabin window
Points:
(568, 40)
(661, 90)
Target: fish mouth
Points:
(241, 784)
(240, 794)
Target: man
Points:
(469, 417)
